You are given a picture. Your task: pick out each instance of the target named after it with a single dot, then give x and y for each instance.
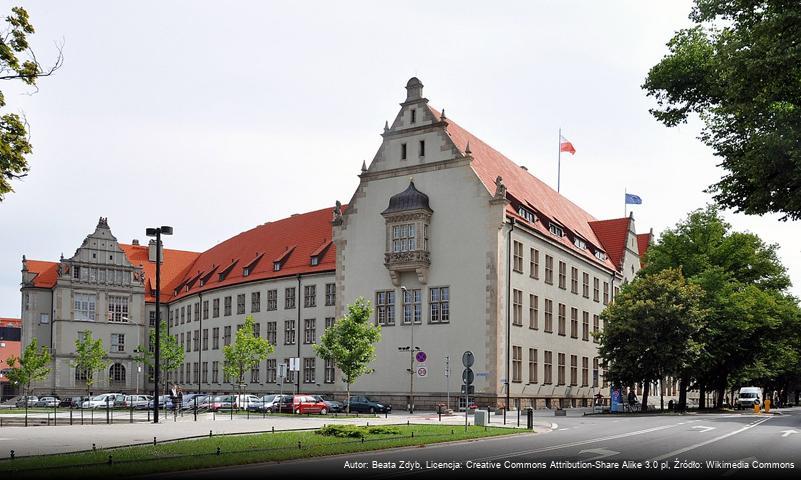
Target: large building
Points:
(10, 341)
(458, 248)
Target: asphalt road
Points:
(596, 446)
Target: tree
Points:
(738, 69)
(350, 342)
(17, 62)
(650, 329)
(32, 366)
(245, 353)
(90, 357)
(171, 353)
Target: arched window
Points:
(116, 373)
(80, 374)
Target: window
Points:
(556, 229)
(329, 371)
(330, 294)
(270, 373)
(585, 326)
(517, 364)
(404, 237)
(309, 330)
(117, 309)
(385, 307)
(289, 332)
(518, 257)
(596, 289)
(117, 342)
(595, 328)
(308, 369)
(215, 308)
(170, 318)
(548, 368)
(412, 306)
(403, 151)
(215, 338)
(439, 302)
(272, 332)
(422, 149)
(289, 298)
(84, 305)
(81, 374)
(595, 372)
(152, 319)
(579, 243)
(560, 370)
(533, 312)
(290, 375)
(606, 293)
(227, 335)
(562, 319)
(196, 340)
(585, 285)
(116, 374)
(605, 382)
(227, 306)
(574, 370)
(205, 309)
(189, 314)
(76, 272)
(181, 342)
(527, 214)
(585, 371)
(205, 372)
(255, 302)
(414, 115)
(188, 341)
(534, 263)
(574, 280)
(197, 311)
(315, 260)
(215, 372)
(240, 304)
(517, 307)
(329, 322)
(562, 275)
(549, 269)
(532, 365)
(226, 377)
(272, 300)
(548, 316)
(196, 373)
(181, 373)
(310, 296)
(600, 255)
(254, 373)
(574, 323)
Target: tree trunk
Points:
(682, 406)
(701, 396)
(662, 395)
(348, 389)
(720, 393)
(644, 404)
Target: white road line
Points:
(707, 442)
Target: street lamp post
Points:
(412, 349)
(157, 232)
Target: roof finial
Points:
(467, 148)
(442, 116)
(386, 126)
(411, 180)
(364, 166)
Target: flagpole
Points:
(625, 205)
(559, 162)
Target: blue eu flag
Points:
(632, 199)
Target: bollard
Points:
(451, 431)
(209, 433)
(196, 409)
(362, 439)
(368, 424)
(131, 420)
(94, 447)
(386, 413)
(273, 429)
(518, 416)
(299, 447)
(70, 414)
(110, 461)
(407, 423)
(12, 454)
(154, 441)
(218, 451)
(412, 433)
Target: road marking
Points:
(554, 426)
(785, 433)
(701, 444)
(702, 428)
(601, 453)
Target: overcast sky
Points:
(214, 117)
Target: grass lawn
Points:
(234, 450)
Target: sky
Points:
(214, 117)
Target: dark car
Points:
(285, 404)
(71, 402)
(362, 404)
(334, 406)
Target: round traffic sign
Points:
(421, 357)
(467, 376)
(468, 359)
(422, 371)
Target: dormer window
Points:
(579, 243)
(414, 115)
(600, 255)
(202, 281)
(404, 237)
(315, 260)
(221, 277)
(556, 230)
(246, 271)
(527, 214)
(276, 266)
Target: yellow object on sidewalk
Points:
(767, 405)
(756, 407)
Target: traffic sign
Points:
(294, 364)
(471, 389)
(467, 376)
(420, 357)
(422, 371)
(468, 359)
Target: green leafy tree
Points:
(350, 342)
(32, 366)
(90, 357)
(245, 353)
(17, 62)
(738, 69)
(650, 329)
(171, 354)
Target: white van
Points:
(749, 396)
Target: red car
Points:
(307, 404)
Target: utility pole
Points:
(448, 380)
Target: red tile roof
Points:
(46, 273)
(10, 322)
(9, 348)
(488, 164)
(643, 242)
(173, 268)
(304, 234)
(613, 235)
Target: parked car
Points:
(71, 402)
(104, 400)
(748, 396)
(165, 403)
(362, 404)
(303, 404)
(136, 401)
(285, 404)
(244, 400)
(264, 404)
(334, 406)
(188, 401)
(32, 399)
(221, 402)
(48, 402)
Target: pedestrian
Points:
(180, 403)
(632, 399)
(670, 406)
(173, 395)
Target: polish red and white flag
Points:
(566, 146)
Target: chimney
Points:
(151, 251)
(135, 242)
